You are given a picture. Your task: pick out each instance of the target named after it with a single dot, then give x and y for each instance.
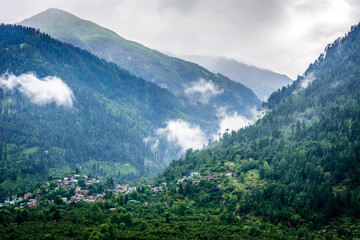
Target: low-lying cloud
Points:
(39, 91)
(183, 134)
(231, 121)
(234, 121)
(180, 135)
(202, 90)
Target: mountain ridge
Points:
(171, 73)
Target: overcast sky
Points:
(283, 36)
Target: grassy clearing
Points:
(108, 168)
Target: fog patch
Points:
(39, 91)
(183, 134)
(258, 113)
(202, 90)
(234, 121)
(231, 121)
(305, 82)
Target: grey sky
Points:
(280, 35)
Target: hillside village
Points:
(78, 186)
(83, 188)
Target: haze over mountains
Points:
(262, 82)
(171, 73)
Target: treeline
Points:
(170, 214)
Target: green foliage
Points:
(305, 151)
(113, 112)
(81, 221)
(292, 175)
(36, 139)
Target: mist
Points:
(309, 78)
(39, 91)
(183, 134)
(202, 90)
(233, 121)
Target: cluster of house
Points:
(80, 192)
(73, 181)
(195, 177)
(15, 200)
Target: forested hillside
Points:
(300, 164)
(294, 174)
(102, 127)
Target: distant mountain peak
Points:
(49, 14)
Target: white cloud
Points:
(234, 121)
(39, 91)
(231, 121)
(180, 134)
(202, 90)
(183, 134)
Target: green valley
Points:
(86, 164)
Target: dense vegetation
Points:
(306, 149)
(190, 212)
(295, 174)
(112, 113)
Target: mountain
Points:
(103, 119)
(63, 108)
(262, 82)
(294, 174)
(176, 75)
(297, 166)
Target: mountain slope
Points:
(262, 82)
(295, 174)
(62, 107)
(168, 72)
(300, 164)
